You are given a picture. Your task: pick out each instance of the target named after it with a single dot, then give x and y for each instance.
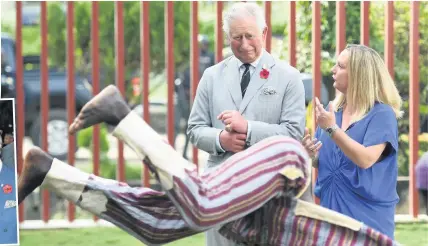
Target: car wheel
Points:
(57, 133)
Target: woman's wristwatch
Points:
(330, 130)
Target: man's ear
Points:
(264, 33)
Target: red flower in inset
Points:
(264, 74)
(7, 189)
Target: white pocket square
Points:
(269, 91)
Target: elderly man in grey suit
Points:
(245, 98)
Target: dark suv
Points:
(57, 123)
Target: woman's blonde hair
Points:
(368, 82)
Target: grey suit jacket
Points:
(273, 106)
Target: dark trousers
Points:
(424, 197)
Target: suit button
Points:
(5, 230)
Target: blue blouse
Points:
(368, 195)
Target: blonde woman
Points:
(356, 142)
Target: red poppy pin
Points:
(7, 189)
(264, 74)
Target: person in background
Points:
(182, 89)
(421, 171)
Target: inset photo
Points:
(9, 231)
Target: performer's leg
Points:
(302, 223)
(148, 215)
(239, 186)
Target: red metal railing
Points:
(292, 34)
(44, 96)
(71, 102)
(169, 61)
(194, 62)
(413, 105)
(145, 70)
(120, 76)
(169, 58)
(95, 86)
(20, 110)
(389, 37)
(365, 22)
(219, 32)
(316, 66)
(340, 26)
(268, 12)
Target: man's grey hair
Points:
(241, 9)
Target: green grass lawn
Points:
(406, 234)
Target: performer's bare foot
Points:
(36, 165)
(108, 106)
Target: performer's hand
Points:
(234, 121)
(312, 146)
(324, 118)
(232, 141)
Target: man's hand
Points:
(234, 121)
(232, 141)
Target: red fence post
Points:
(268, 12)
(20, 110)
(71, 104)
(95, 86)
(365, 23)
(413, 106)
(145, 71)
(219, 32)
(316, 66)
(44, 95)
(340, 27)
(169, 61)
(292, 34)
(194, 62)
(389, 37)
(120, 76)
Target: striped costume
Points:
(252, 194)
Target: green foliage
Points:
(84, 138)
(6, 29)
(107, 167)
(328, 33)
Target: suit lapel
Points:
(233, 80)
(256, 81)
